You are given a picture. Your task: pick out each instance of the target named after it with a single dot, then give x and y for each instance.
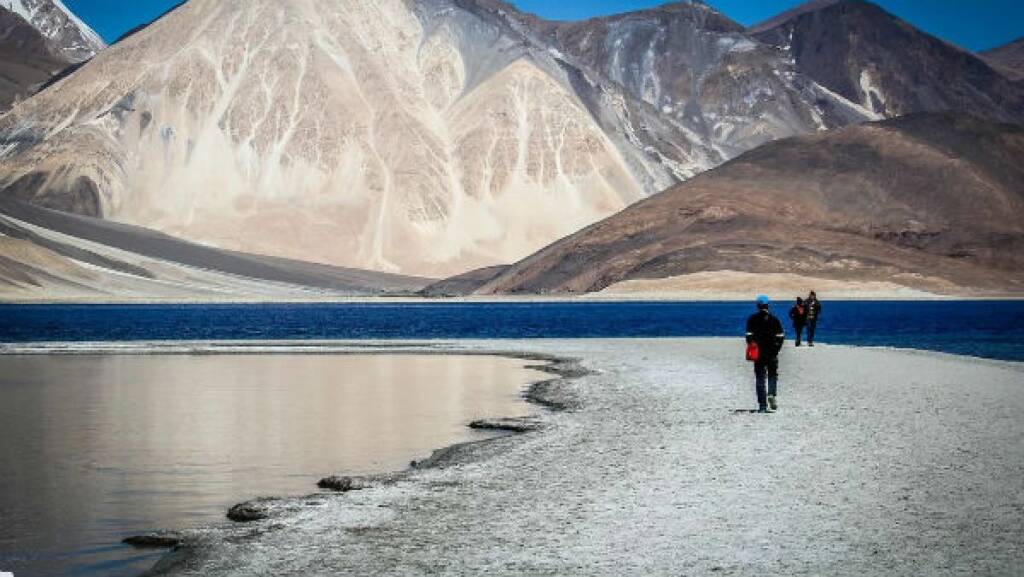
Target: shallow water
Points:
(97, 448)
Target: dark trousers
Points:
(812, 325)
(766, 370)
(799, 333)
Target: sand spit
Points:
(879, 462)
(737, 285)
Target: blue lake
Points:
(992, 329)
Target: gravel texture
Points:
(878, 462)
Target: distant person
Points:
(765, 331)
(813, 306)
(798, 315)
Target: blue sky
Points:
(973, 24)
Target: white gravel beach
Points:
(879, 462)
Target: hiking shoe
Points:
(772, 404)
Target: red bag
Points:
(753, 353)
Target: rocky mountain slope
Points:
(26, 61)
(932, 201)
(699, 69)
(426, 137)
(39, 39)
(858, 50)
(52, 255)
(1007, 59)
(69, 38)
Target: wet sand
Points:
(879, 462)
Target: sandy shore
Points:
(879, 462)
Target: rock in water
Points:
(161, 540)
(255, 510)
(343, 484)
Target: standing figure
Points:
(813, 306)
(798, 314)
(765, 330)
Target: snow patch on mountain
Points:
(874, 100)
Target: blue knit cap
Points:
(763, 300)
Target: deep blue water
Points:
(993, 329)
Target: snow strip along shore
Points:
(878, 462)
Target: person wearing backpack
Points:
(813, 306)
(798, 315)
(765, 337)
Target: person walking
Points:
(765, 337)
(798, 315)
(813, 306)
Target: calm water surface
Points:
(993, 329)
(97, 448)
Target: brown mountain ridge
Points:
(932, 201)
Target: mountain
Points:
(933, 201)
(701, 71)
(47, 254)
(26, 61)
(427, 138)
(861, 52)
(1007, 59)
(69, 38)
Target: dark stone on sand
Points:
(343, 484)
(510, 425)
(249, 511)
(155, 541)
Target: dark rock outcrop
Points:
(860, 51)
(249, 511)
(26, 59)
(159, 540)
(510, 425)
(344, 484)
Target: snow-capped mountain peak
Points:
(68, 35)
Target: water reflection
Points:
(97, 448)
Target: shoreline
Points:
(616, 388)
(544, 393)
(393, 347)
(694, 297)
(656, 415)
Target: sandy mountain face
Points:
(48, 254)
(931, 201)
(355, 133)
(859, 51)
(428, 137)
(1007, 59)
(69, 38)
(26, 60)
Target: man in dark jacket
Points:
(813, 306)
(765, 329)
